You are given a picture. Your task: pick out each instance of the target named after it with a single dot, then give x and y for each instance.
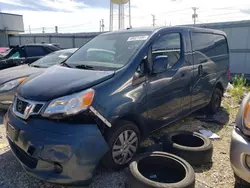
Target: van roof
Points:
(155, 29)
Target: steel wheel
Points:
(125, 147)
(217, 102)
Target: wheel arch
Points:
(220, 86)
(134, 118)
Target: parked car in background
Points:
(3, 50)
(11, 78)
(98, 107)
(240, 145)
(25, 54)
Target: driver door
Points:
(166, 90)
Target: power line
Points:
(170, 12)
(222, 8)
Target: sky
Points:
(85, 15)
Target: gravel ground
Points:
(216, 175)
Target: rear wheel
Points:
(215, 102)
(123, 140)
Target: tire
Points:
(240, 183)
(191, 146)
(160, 170)
(112, 138)
(215, 103)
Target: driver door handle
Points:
(200, 70)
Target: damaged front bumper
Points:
(56, 152)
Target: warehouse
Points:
(9, 24)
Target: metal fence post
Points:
(74, 43)
(19, 40)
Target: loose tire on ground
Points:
(160, 170)
(119, 138)
(194, 147)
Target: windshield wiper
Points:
(85, 67)
(65, 64)
(36, 66)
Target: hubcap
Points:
(125, 147)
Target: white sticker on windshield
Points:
(137, 38)
(63, 56)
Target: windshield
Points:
(52, 59)
(110, 51)
(15, 55)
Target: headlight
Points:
(71, 104)
(12, 84)
(247, 115)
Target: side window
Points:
(203, 45)
(220, 45)
(33, 51)
(170, 45)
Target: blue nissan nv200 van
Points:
(113, 91)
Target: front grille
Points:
(21, 106)
(25, 108)
(27, 160)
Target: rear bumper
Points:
(240, 147)
(76, 149)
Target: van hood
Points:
(58, 81)
(18, 72)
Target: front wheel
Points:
(240, 183)
(123, 140)
(215, 103)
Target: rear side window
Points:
(33, 51)
(170, 45)
(220, 45)
(208, 46)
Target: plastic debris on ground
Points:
(209, 134)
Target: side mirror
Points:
(140, 70)
(160, 64)
(18, 61)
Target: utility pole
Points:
(43, 29)
(29, 29)
(129, 10)
(153, 16)
(111, 19)
(102, 25)
(194, 15)
(56, 29)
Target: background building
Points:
(238, 34)
(9, 24)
